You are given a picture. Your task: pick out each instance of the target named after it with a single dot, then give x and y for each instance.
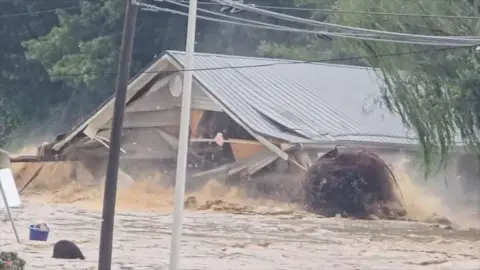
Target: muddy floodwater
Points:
(216, 240)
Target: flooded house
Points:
(251, 117)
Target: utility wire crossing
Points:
(13, 15)
(325, 10)
(269, 26)
(458, 40)
(289, 62)
(385, 14)
(328, 29)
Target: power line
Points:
(271, 26)
(339, 27)
(35, 12)
(289, 62)
(267, 26)
(444, 16)
(15, 1)
(262, 23)
(251, 23)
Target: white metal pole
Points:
(5, 201)
(183, 138)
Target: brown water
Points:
(219, 240)
(223, 229)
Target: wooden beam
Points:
(156, 98)
(254, 163)
(137, 84)
(223, 170)
(173, 142)
(197, 140)
(37, 172)
(30, 158)
(147, 119)
(106, 112)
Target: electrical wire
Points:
(442, 16)
(292, 62)
(322, 10)
(15, 1)
(337, 34)
(35, 12)
(258, 22)
(386, 34)
(273, 27)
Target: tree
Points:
(77, 51)
(82, 49)
(300, 46)
(25, 89)
(436, 93)
(55, 59)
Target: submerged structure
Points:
(251, 118)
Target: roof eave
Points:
(109, 102)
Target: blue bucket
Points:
(37, 235)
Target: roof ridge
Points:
(272, 59)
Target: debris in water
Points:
(220, 205)
(263, 244)
(436, 218)
(358, 185)
(190, 202)
(234, 208)
(65, 249)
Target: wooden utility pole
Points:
(110, 190)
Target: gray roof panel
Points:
(302, 101)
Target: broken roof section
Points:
(281, 99)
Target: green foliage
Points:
(312, 50)
(300, 46)
(69, 57)
(24, 85)
(437, 94)
(76, 51)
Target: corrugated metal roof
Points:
(300, 102)
(314, 100)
